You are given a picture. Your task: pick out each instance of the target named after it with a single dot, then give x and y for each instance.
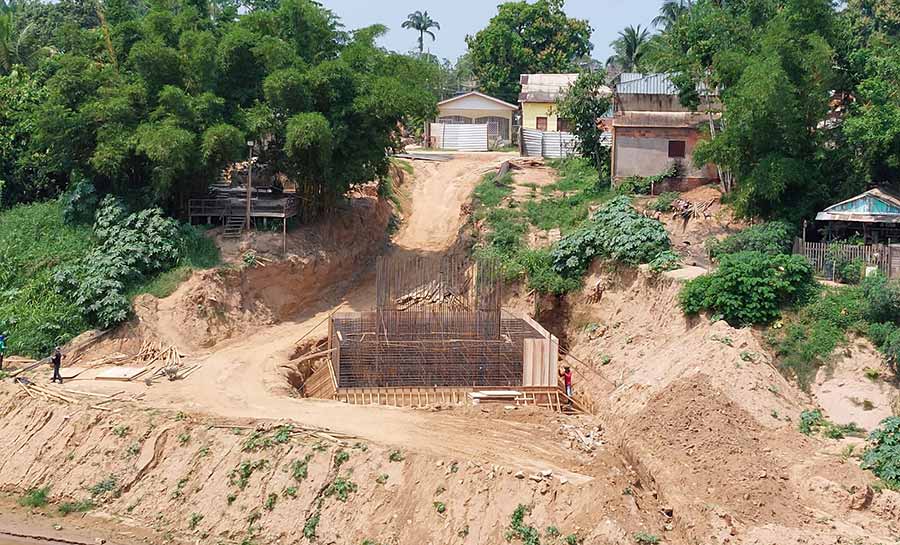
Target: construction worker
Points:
(56, 359)
(2, 348)
(567, 379)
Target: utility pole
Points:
(249, 182)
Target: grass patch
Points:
(813, 421)
(35, 244)
(36, 497)
(104, 486)
(491, 191)
(82, 506)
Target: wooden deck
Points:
(283, 207)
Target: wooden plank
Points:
(71, 372)
(120, 373)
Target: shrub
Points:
(615, 231)
(891, 350)
(309, 528)
(643, 538)
(750, 287)
(36, 497)
(440, 507)
(882, 299)
(635, 185)
(131, 247)
(529, 535)
(664, 202)
(770, 238)
(108, 484)
(665, 261)
(82, 506)
(878, 333)
(883, 455)
(341, 488)
(300, 468)
(395, 456)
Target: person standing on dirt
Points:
(567, 379)
(2, 348)
(56, 359)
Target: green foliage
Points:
(395, 456)
(36, 497)
(340, 457)
(240, 475)
(572, 539)
(309, 527)
(271, 500)
(104, 486)
(131, 247)
(527, 534)
(382, 479)
(643, 185)
(493, 189)
(82, 506)
(157, 112)
(195, 520)
(664, 202)
(615, 231)
(552, 531)
(750, 287)
(341, 488)
(526, 38)
(771, 238)
(260, 440)
(583, 104)
(882, 456)
(121, 431)
(665, 261)
(34, 242)
(289, 492)
(300, 468)
(812, 421)
(440, 507)
(643, 538)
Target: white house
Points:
(479, 109)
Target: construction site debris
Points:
(586, 441)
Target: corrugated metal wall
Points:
(554, 145)
(460, 137)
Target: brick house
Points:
(652, 131)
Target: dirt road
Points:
(241, 379)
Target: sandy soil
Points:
(699, 429)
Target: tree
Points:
(526, 38)
(670, 11)
(583, 104)
(421, 22)
(629, 48)
(155, 112)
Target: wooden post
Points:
(284, 234)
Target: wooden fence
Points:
(823, 255)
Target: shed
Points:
(476, 108)
(874, 214)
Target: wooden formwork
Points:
(537, 396)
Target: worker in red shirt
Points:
(567, 379)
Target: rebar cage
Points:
(437, 322)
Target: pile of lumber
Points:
(67, 396)
(688, 209)
(494, 396)
(433, 293)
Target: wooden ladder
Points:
(234, 227)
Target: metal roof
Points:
(497, 101)
(633, 83)
(875, 205)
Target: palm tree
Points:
(423, 23)
(670, 11)
(629, 47)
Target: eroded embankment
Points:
(190, 478)
(700, 411)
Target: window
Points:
(562, 125)
(542, 123)
(676, 149)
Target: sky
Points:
(461, 17)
